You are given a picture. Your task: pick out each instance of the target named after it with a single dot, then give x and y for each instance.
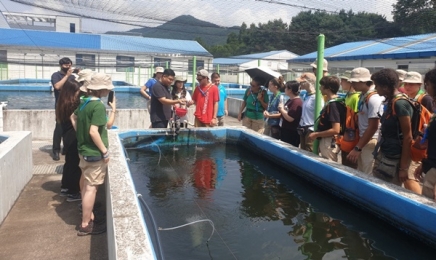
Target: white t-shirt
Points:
(374, 109)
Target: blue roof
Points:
(415, 46)
(101, 42)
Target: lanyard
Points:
(204, 93)
(87, 100)
(273, 100)
(362, 100)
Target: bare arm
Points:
(73, 119)
(405, 152)
(143, 92)
(167, 101)
(366, 137)
(226, 111)
(285, 115)
(59, 84)
(336, 127)
(96, 138)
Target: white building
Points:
(55, 23)
(35, 54)
(232, 68)
(410, 53)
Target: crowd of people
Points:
(382, 102)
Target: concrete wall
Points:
(42, 122)
(15, 168)
(233, 105)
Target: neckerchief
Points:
(307, 96)
(204, 93)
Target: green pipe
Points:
(194, 72)
(318, 95)
(166, 65)
(258, 63)
(218, 68)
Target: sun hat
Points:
(158, 70)
(401, 74)
(412, 77)
(180, 78)
(84, 76)
(203, 73)
(307, 77)
(100, 81)
(360, 75)
(346, 75)
(324, 65)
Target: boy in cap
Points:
(89, 121)
(369, 108)
(412, 88)
(206, 99)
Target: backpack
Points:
(420, 120)
(349, 135)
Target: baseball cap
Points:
(180, 78)
(412, 77)
(100, 81)
(158, 70)
(401, 74)
(203, 73)
(307, 77)
(360, 75)
(324, 65)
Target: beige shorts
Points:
(429, 183)
(93, 172)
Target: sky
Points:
(221, 12)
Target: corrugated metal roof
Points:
(414, 46)
(261, 55)
(231, 61)
(46, 39)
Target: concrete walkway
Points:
(41, 224)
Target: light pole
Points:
(42, 68)
(25, 64)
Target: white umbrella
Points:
(265, 73)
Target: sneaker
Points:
(64, 193)
(74, 197)
(56, 156)
(91, 229)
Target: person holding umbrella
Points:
(255, 101)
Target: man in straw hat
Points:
(89, 121)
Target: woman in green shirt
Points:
(255, 101)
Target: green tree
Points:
(415, 16)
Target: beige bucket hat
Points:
(100, 81)
(307, 77)
(180, 78)
(413, 77)
(85, 77)
(401, 74)
(325, 65)
(360, 75)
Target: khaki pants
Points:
(198, 123)
(327, 151)
(305, 143)
(257, 125)
(365, 162)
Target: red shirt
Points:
(205, 98)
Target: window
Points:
(85, 61)
(200, 65)
(161, 62)
(125, 64)
(403, 67)
(3, 56)
(72, 27)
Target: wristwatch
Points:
(356, 148)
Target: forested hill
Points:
(186, 27)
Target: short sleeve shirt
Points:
(372, 109)
(331, 114)
(204, 102)
(294, 107)
(90, 112)
(254, 107)
(55, 78)
(352, 100)
(392, 145)
(149, 84)
(308, 112)
(221, 103)
(158, 111)
(273, 108)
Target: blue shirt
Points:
(221, 103)
(150, 84)
(273, 105)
